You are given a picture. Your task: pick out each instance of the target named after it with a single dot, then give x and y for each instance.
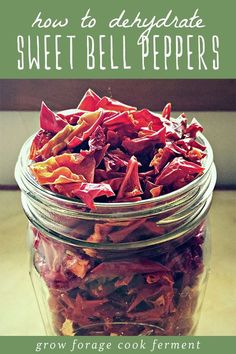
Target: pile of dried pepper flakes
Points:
(107, 151)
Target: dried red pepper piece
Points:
(149, 291)
(123, 233)
(118, 120)
(71, 115)
(40, 139)
(79, 310)
(87, 192)
(50, 121)
(64, 168)
(87, 123)
(161, 158)
(130, 186)
(97, 139)
(56, 144)
(137, 145)
(147, 119)
(193, 128)
(89, 101)
(195, 154)
(166, 111)
(110, 104)
(115, 160)
(176, 169)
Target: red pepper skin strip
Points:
(166, 111)
(120, 235)
(123, 268)
(130, 186)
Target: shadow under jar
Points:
(124, 269)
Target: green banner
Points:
(118, 39)
(115, 345)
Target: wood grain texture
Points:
(185, 95)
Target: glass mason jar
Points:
(124, 269)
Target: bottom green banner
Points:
(114, 345)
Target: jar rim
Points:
(195, 196)
(23, 164)
(137, 245)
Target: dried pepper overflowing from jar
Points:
(106, 151)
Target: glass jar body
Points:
(124, 269)
(156, 290)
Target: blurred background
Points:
(212, 102)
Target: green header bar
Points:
(115, 345)
(118, 39)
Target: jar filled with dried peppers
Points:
(117, 200)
